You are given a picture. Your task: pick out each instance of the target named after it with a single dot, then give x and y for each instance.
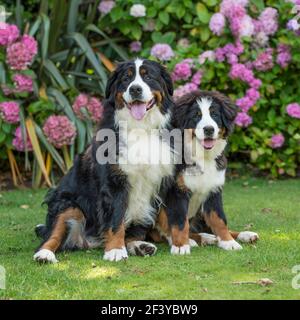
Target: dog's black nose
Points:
(209, 131)
(135, 91)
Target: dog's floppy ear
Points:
(110, 86)
(167, 79)
(111, 82)
(228, 111)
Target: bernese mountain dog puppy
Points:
(112, 190)
(206, 120)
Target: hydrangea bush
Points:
(248, 49)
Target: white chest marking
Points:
(144, 160)
(201, 184)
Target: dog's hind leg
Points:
(136, 244)
(245, 236)
(66, 233)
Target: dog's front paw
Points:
(116, 254)
(229, 245)
(45, 256)
(185, 249)
(141, 248)
(193, 243)
(248, 236)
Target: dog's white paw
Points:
(248, 236)
(229, 245)
(115, 254)
(193, 243)
(45, 255)
(141, 248)
(185, 249)
(208, 239)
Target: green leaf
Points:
(88, 51)
(45, 39)
(55, 74)
(2, 136)
(211, 3)
(6, 127)
(202, 13)
(116, 13)
(164, 17)
(114, 46)
(73, 15)
(204, 34)
(136, 32)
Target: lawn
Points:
(269, 207)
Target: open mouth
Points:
(138, 108)
(208, 143)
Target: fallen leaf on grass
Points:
(262, 282)
(266, 210)
(248, 226)
(205, 290)
(24, 206)
(94, 265)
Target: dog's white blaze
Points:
(144, 176)
(146, 91)
(206, 120)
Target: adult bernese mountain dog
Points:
(206, 120)
(114, 187)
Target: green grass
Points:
(208, 273)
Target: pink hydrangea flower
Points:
(162, 51)
(240, 71)
(59, 131)
(138, 10)
(182, 71)
(217, 23)
(9, 33)
(23, 83)
(105, 6)
(197, 77)
(135, 46)
(20, 54)
(277, 141)
(184, 89)
(243, 119)
(293, 110)
(244, 103)
(246, 28)
(9, 111)
(19, 141)
(226, 5)
(207, 55)
(269, 21)
(92, 105)
(293, 25)
(284, 55)
(264, 60)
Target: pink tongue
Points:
(138, 110)
(208, 143)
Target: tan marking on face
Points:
(115, 240)
(130, 72)
(119, 100)
(180, 237)
(218, 226)
(158, 96)
(60, 228)
(143, 71)
(222, 133)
